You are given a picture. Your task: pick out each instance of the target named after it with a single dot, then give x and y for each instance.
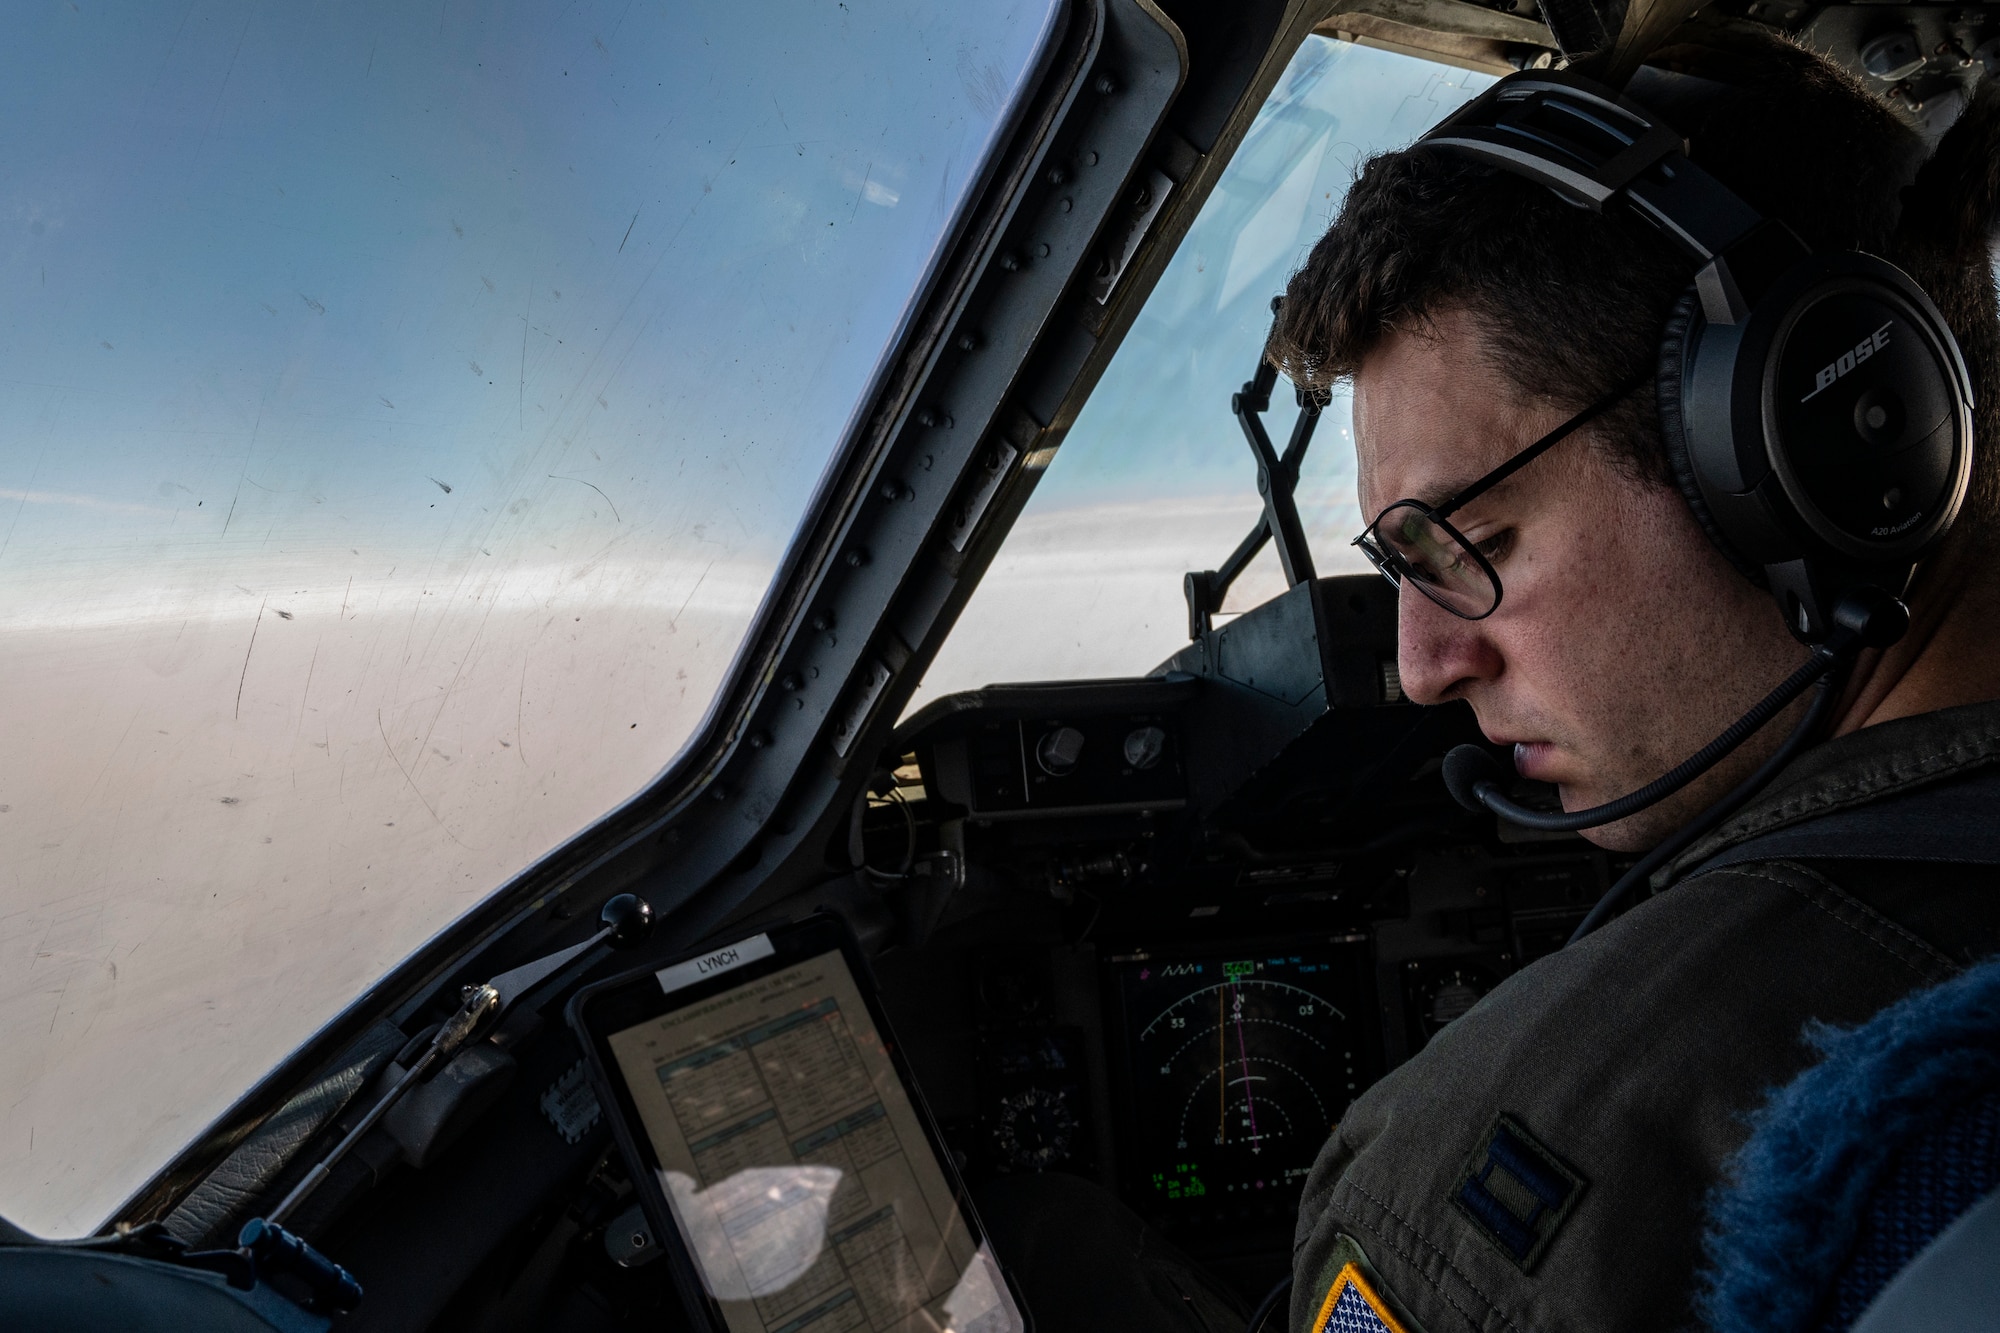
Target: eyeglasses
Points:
(1413, 541)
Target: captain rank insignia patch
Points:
(1517, 1192)
(1352, 1306)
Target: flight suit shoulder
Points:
(1543, 1163)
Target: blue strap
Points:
(1956, 822)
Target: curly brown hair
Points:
(1572, 302)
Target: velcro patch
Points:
(1351, 1306)
(1517, 1192)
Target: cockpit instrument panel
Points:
(1095, 759)
(1237, 1065)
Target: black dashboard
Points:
(1159, 932)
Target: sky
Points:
(403, 409)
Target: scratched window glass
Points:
(403, 410)
(1155, 478)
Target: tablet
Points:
(779, 1147)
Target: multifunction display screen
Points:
(797, 1170)
(1239, 1066)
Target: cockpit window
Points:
(1155, 479)
(406, 407)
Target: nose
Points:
(1440, 655)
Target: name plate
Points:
(709, 964)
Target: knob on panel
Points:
(1144, 747)
(1058, 750)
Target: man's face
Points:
(1624, 641)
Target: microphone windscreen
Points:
(1465, 768)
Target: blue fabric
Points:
(1953, 1284)
(1830, 1152)
(1931, 1181)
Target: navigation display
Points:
(1239, 1067)
(796, 1167)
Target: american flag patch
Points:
(1352, 1306)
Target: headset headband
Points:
(1595, 148)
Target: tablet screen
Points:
(796, 1167)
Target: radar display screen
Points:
(1238, 1067)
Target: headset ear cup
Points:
(1673, 427)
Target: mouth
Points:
(1536, 760)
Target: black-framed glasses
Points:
(1413, 541)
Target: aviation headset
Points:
(1816, 410)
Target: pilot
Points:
(1545, 1162)
(1549, 1161)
